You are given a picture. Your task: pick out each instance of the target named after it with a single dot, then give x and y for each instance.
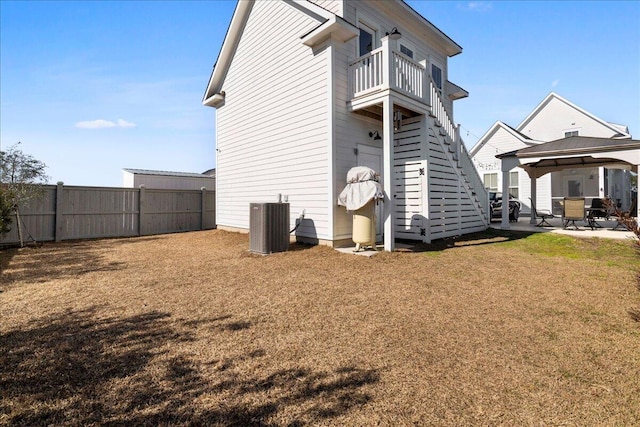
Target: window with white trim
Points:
(491, 181)
(569, 133)
(514, 187)
(367, 39)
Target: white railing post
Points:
(458, 144)
(424, 95)
(387, 63)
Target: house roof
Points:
(452, 47)
(496, 126)
(623, 131)
(168, 173)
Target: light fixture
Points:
(394, 34)
(397, 120)
(375, 135)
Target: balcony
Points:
(387, 69)
(384, 70)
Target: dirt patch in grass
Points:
(192, 329)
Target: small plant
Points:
(630, 223)
(21, 178)
(6, 212)
(626, 219)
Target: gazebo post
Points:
(534, 201)
(506, 164)
(505, 200)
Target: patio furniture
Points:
(573, 211)
(543, 216)
(596, 210)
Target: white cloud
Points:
(477, 6)
(555, 83)
(125, 124)
(102, 124)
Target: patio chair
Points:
(596, 210)
(543, 216)
(573, 211)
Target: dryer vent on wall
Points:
(268, 227)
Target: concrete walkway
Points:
(606, 231)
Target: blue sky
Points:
(93, 87)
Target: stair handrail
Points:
(463, 157)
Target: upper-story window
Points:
(436, 75)
(406, 50)
(567, 134)
(367, 39)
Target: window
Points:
(367, 39)
(514, 185)
(406, 51)
(436, 75)
(567, 134)
(366, 42)
(491, 181)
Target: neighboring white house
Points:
(553, 119)
(306, 90)
(134, 178)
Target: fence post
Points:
(141, 209)
(57, 233)
(203, 204)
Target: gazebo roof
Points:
(574, 151)
(574, 145)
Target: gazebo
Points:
(571, 152)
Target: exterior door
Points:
(371, 157)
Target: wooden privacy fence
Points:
(70, 212)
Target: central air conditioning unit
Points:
(268, 227)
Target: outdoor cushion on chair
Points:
(573, 211)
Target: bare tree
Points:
(21, 179)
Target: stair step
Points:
(443, 132)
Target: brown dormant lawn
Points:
(192, 329)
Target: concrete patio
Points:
(606, 229)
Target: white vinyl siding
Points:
(272, 131)
(557, 116)
(334, 6)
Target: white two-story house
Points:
(306, 90)
(553, 119)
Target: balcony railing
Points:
(386, 68)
